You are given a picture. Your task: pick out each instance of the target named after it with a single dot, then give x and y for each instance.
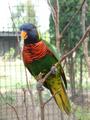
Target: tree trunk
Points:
(56, 21)
(72, 75)
(57, 38)
(41, 104)
(81, 75)
(55, 16)
(85, 43)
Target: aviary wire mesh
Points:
(19, 98)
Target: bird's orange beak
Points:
(24, 35)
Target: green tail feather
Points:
(61, 99)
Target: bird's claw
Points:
(53, 70)
(39, 86)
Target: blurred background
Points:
(19, 99)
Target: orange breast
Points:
(36, 51)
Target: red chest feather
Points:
(36, 51)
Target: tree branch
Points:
(78, 44)
(55, 16)
(67, 54)
(10, 106)
(52, 10)
(74, 49)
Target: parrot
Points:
(40, 57)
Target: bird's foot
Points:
(39, 86)
(53, 70)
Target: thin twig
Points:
(11, 15)
(17, 35)
(10, 106)
(41, 104)
(14, 110)
(25, 102)
(31, 94)
(52, 10)
(55, 16)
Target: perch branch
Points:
(10, 106)
(67, 54)
(79, 43)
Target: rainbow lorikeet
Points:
(39, 57)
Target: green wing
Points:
(53, 49)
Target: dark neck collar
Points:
(27, 42)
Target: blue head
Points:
(29, 33)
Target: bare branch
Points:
(10, 106)
(14, 110)
(78, 44)
(41, 104)
(72, 18)
(52, 10)
(55, 16)
(25, 102)
(30, 93)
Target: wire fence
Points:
(19, 99)
(16, 98)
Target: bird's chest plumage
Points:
(34, 52)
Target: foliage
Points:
(70, 38)
(72, 34)
(9, 54)
(82, 114)
(88, 13)
(8, 97)
(23, 12)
